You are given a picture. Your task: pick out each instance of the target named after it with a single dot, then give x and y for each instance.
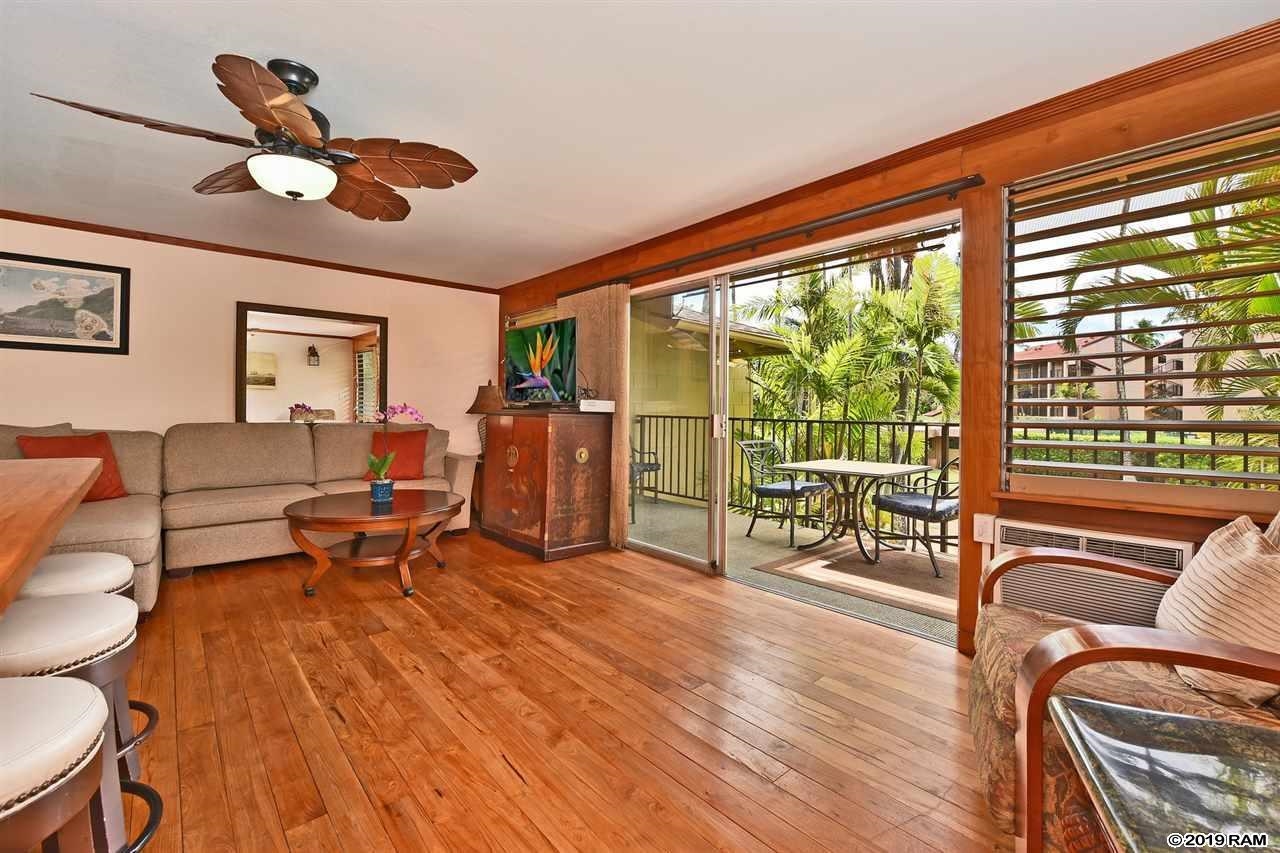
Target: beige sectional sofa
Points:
(128, 525)
(218, 491)
(226, 487)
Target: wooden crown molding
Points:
(1152, 74)
(168, 240)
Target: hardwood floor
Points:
(608, 702)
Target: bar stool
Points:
(50, 756)
(86, 571)
(89, 636)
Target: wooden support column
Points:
(981, 342)
(604, 322)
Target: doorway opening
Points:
(308, 365)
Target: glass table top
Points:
(1151, 774)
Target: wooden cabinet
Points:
(546, 481)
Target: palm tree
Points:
(1146, 339)
(858, 354)
(1216, 255)
(1091, 258)
(837, 383)
(807, 379)
(1266, 385)
(916, 324)
(894, 272)
(1026, 320)
(803, 302)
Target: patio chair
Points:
(770, 485)
(932, 498)
(643, 463)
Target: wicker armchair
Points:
(1023, 656)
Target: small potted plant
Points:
(302, 413)
(380, 490)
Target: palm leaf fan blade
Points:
(407, 164)
(264, 99)
(230, 179)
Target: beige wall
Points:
(1134, 389)
(325, 386)
(669, 381)
(182, 337)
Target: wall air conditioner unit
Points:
(1086, 594)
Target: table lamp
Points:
(488, 400)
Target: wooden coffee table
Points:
(413, 521)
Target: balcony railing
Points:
(1241, 454)
(680, 445)
(1158, 388)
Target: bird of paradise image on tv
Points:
(542, 363)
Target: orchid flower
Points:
(380, 465)
(388, 414)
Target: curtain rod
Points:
(904, 243)
(951, 189)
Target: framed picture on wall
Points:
(52, 304)
(261, 372)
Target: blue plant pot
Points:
(380, 491)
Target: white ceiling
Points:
(593, 125)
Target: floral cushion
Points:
(1006, 634)
(1069, 822)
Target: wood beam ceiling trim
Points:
(186, 243)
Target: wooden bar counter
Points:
(36, 498)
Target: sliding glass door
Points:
(676, 440)
(745, 388)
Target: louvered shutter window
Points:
(366, 385)
(1143, 316)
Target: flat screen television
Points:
(542, 363)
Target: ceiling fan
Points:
(296, 159)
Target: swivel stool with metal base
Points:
(91, 571)
(90, 636)
(86, 571)
(51, 737)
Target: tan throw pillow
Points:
(437, 449)
(1230, 591)
(9, 436)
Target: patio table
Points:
(850, 481)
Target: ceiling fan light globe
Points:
(295, 178)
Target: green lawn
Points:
(1147, 458)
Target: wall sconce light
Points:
(313, 356)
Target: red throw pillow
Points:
(410, 447)
(93, 446)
